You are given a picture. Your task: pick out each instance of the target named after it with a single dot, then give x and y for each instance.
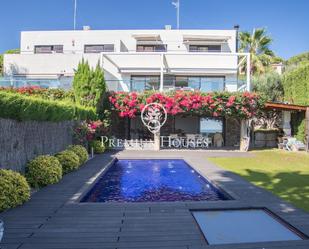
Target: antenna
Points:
(177, 6)
(75, 11)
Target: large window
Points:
(151, 48)
(202, 83)
(98, 48)
(204, 48)
(48, 49)
(142, 83)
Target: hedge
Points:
(296, 85)
(296, 91)
(16, 106)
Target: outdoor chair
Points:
(292, 144)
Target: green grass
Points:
(285, 174)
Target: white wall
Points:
(74, 41)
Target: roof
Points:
(286, 107)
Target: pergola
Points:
(286, 110)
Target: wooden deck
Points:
(51, 220)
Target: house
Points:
(138, 60)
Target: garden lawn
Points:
(285, 174)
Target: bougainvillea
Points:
(88, 131)
(242, 105)
(45, 93)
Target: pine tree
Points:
(88, 84)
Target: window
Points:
(202, 83)
(204, 48)
(212, 84)
(98, 48)
(142, 83)
(211, 126)
(48, 49)
(151, 48)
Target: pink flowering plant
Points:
(241, 105)
(88, 131)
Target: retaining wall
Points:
(22, 141)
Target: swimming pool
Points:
(153, 180)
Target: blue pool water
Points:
(152, 181)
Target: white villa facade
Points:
(137, 60)
(131, 59)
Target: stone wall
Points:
(232, 131)
(22, 141)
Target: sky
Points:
(287, 21)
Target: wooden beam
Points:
(282, 106)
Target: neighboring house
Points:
(137, 60)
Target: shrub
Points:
(43, 170)
(19, 107)
(14, 189)
(80, 151)
(69, 161)
(98, 148)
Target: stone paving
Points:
(54, 219)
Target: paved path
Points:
(49, 220)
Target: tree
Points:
(1, 64)
(269, 85)
(257, 44)
(11, 51)
(89, 85)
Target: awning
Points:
(205, 39)
(147, 37)
(195, 63)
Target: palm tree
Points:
(257, 44)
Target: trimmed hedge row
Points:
(16, 106)
(296, 91)
(40, 172)
(296, 85)
(45, 170)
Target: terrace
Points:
(54, 217)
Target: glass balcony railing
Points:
(62, 82)
(204, 85)
(140, 85)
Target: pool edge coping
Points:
(84, 190)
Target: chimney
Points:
(168, 27)
(85, 28)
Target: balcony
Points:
(203, 84)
